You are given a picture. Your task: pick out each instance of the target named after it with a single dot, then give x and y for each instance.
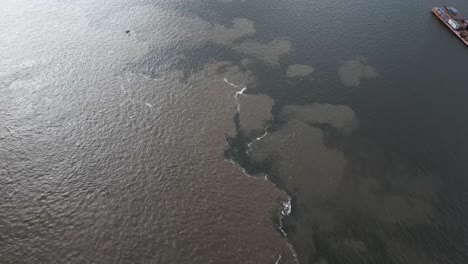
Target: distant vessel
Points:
(454, 20)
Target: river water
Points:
(232, 131)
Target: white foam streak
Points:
(233, 85)
(287, 207)
(284, 212)
(278, 261)
(243, 170)
(239, 92)
(257, 139)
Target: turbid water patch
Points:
(104, 163)
(352, 72)
(255, 113)
(114, 120)
(269, 53)
(299, 70)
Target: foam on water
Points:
(239, 92)
(278, 261)
(286, 205)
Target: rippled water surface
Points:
(231, 131)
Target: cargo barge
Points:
(454, 20)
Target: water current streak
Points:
(278, 261)
(238, 148)
(236, 95)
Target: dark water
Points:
(118, 121)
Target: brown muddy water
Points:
(231, 131)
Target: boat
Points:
(454, 20)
